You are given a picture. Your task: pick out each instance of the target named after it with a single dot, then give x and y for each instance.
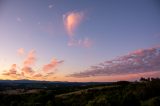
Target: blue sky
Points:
(80, 33)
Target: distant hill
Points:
(34, 84)
(55, 82)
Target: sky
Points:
(79, 41)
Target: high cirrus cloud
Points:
(72, 20)
(140, 61)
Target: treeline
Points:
(36, 99)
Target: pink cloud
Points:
(72, 21)
(49, 74)
(31, 58)
(139, 61)
(21, 51)
(38, 75)
(51, 65)
(27, 70)
(12, 70)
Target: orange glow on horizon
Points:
(61, 77)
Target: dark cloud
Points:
(140, 61)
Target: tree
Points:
(49, 103)
(130, 100)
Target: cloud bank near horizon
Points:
(139, 61)
(27, 70)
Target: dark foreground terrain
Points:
(145, 92)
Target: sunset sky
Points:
(79, 40)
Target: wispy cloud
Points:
(86, 42)
(21, 51)
(72, 20)
(140, 61)
(50, 66)
(38, 75)
(50, 6)
(12, 70)
(49, 74)
(31, 58)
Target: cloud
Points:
(21, 51)
(50, 66)
(27, 63)
(31, 58)
(50, 6)
(72, 20)
(27, 70)
(12, 70)
(86, 42)
(139, 61)
(50, 73)
(38, 75)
